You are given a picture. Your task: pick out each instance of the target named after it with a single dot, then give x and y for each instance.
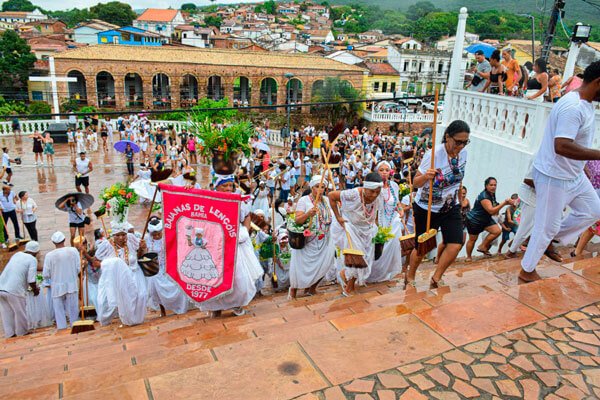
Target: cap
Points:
(57, 237)
(32, 247)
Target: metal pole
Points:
(289, 77)
(532, 39)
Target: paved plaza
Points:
(484, 335)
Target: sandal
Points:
(485, 252)
(412, 283)
(433, 284)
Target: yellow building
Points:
(382, 79)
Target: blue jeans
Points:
(283, 194)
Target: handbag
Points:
(476, 80)
(87, 220)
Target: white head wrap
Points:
(32, 247)
(259, 212)
(119, 227)
(104, 250)
(372, 185)
(316, 180)
(221, 179)
(57, 237)
(199, 231)
(155, 227)
(381, 163)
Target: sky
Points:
(135, 4)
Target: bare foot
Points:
(529, 276)
(510, 254)
(469, 259)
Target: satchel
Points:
(476, 80)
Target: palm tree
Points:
(338, 91)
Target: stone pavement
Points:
(484, 335)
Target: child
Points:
(510, 221)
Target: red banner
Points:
(201, 229)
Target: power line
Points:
(592, 4)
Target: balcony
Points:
(393, 117)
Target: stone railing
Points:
(513, 122)
(30, 126)
(377, 116)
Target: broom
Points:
(408, 242)
(353, 258)
(426, 241)
(83, 325)
(11, 246)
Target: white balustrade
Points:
(392, 117)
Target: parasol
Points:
(121, 145)
(262, 146)
(486, 48)
(86, 200)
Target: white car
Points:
(429, 106)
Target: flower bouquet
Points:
(384, 235)
(116, 201)
(404, 190)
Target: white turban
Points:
(32, 247)
(155, 227)
(119, 227)
(222, 179)
(199, 231)
(316, 180)
(104, 250)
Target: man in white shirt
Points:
(558, 174)
(6, 169)
(18, 274)
(61, 268)
(82, 166)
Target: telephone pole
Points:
(557, 12)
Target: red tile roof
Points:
(157, 15)
(381, 68)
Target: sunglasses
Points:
(461, 142)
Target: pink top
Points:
(593, 167)
(574, 84)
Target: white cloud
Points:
(135, 4)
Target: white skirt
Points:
(310, 264)
(163, 291)
(390, 262)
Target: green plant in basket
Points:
(234, 138)
(292, 226)
(384, 235)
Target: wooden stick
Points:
(433, 137)
(149, 213)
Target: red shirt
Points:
(266, 161)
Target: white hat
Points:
(316, 180)
(199, 231)
(155, 227)
(57, 237)
(119, 227)
(306, 158)
(259, 212)
(32, 247)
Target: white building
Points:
(345, 57)
(408, 44)
(588, 53)
(159, 21)
(87, 32)
(447, 44)
(21, 17)
(421, 70)
(200, 37)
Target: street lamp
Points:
(581, 33)
(532, 35)
(288, 85)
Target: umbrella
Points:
(486, 48)
(262, 146)
(121, 145)
(86, 200)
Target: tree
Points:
(114, 12)
(211, 20)
(189, 7)
(337, 90)
(18, 5)
(270, 7)
(16, 62)
(434, 25)
(420, 9)
(72, 17)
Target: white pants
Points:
(67, 304)
(13, 310)
(553, 195)
(525, 227)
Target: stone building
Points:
(118, 76)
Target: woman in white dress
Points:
(309, 265)
(247, 266)
(390, 262)
(122, 286)
(262, 198)
(163, 293)
(356, 211)
(142, 185)
(198, 263)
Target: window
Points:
(376, 86)
(384, 87)
(421, 66)
(405, 66)
(393, 87)
(37, 95)
(440, 67)
(432, 65)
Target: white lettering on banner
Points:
(198, 291)
(174, 213)
(224, 220)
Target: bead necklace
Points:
(323, 215)
(125, 250)
(389, 210)
(369, 215)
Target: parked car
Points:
(410, 101)
(390, 106)
(429, 106)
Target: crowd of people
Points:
(334, 206)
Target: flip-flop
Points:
(485, 252)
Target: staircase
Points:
(285, 349)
